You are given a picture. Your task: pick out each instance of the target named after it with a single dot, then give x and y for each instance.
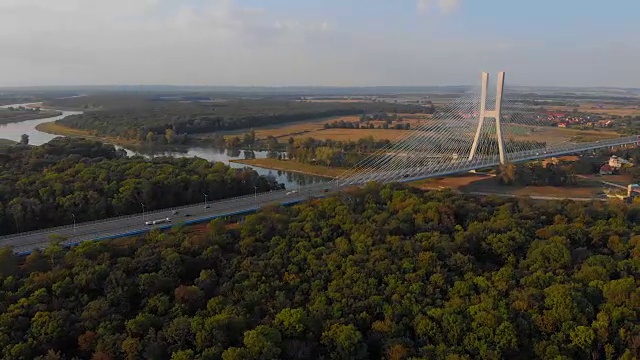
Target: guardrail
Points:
(27, 249)
(93, 235)
(155, 212)
(128, 216)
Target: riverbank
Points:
(294, 166)
(55, 128)
(8, 116)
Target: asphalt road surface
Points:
(124, 225)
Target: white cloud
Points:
(448, 6)
(220, 42)
(423, 6)
(149, 41)
(125, 21)
(444, 6)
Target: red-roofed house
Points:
(606, 170)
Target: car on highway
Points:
(207, 206)
(160, 221)
(175, 212)
(291, 193)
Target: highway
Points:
(111, 228)
(135, 224)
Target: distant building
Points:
(604, 123)
(617, 162)
(606, 170)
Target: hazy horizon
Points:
(317, 43)
(191, 86)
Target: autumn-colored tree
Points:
(385, 271)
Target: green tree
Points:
(151, 137)
(183, 355)
(131, 348)
(292, 322)
(263, 342)
(583, 338)
(8, 262)
(346, 340)
(169, 136)
(47, 328)
(235, 353)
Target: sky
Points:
(319, 42)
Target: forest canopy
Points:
(383, 272)
(43, 186)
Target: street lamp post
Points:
(142, 211)
(255, 194)
(205, 199)
(74, 222)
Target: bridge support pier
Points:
(496, 113)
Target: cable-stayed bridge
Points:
(477, 131)
(481, 129)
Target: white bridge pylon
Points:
(495, 113)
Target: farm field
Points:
(469, 183)
(337, 100)
(623, 179)
(555, 135)
(315, 129)
(290, 130)
(356, 134)
(607, 109)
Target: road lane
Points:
(133, 223)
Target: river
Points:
(292, 180)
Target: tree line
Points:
(627, 125)
(149, 121)
(382, 272)
(48, 185)
(331, 152)
(306, 150)
(536, 174)
(341, 124)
